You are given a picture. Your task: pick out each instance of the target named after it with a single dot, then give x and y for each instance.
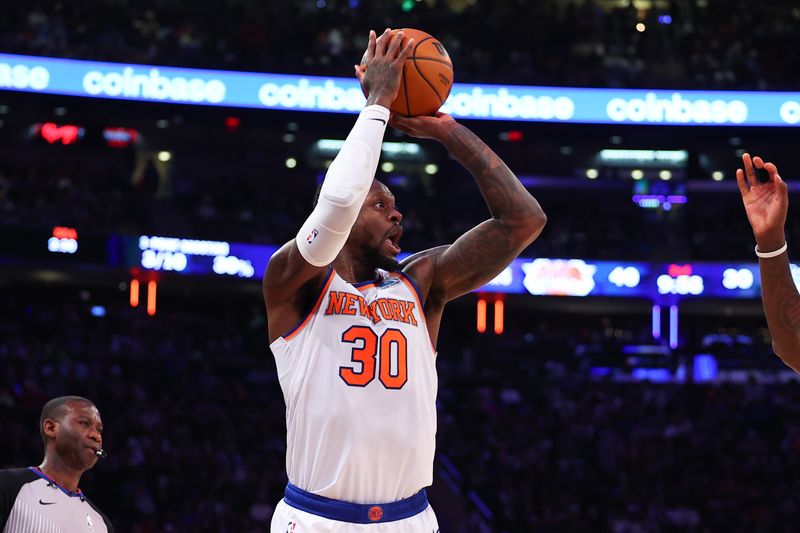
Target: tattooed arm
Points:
(483, 252)
(766, 205)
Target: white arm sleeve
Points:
(346, 185)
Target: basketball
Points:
(427, 76)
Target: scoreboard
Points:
(66, 246)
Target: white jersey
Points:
(358, 375)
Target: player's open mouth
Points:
(393, 239)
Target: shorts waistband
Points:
(355, 513)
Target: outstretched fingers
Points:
(742, 181)
(772, 172)
(749, 170)
(371, 46)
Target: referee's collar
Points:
(77, 494)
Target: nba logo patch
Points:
(89, 523)
(375, 513)
(312, 236)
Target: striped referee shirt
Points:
(30, 502)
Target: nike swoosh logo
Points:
(46, 503)
(379, 120)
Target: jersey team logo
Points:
(375, 513)
(312, 236)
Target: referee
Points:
(46, 498)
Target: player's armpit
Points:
(287, 278)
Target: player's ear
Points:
(50, 428)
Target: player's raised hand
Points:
(424, 127)
(382, 66)
(765, 203)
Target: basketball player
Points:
(354, 333)
(46, 498)
(766, 205)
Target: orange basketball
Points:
(427, 76)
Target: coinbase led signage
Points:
(343, 95)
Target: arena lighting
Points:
(704, 368)
(431, 169)
(152, 287)
(592, 173)
(164, 156)
(656, 322)
(232, 124)
(387, 166)
(134, 293)
(481, 316)
(499, 317)
(653, 157)
(332, 147)
(640, 27)
(291, 162)
(64, 240)
(717, 175)
(637, 174)
(511, 136)
(665, 175)
(66, 134)
(62, 232)
(673, 326)
(116, 137)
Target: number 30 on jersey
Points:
(389, 353)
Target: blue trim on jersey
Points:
(362, 283)
(355, 513)
(313, 307)
(413, 284)
(66, 491)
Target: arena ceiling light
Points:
(646, 158)
(332, 147)
(164, 156)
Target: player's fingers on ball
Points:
(406, 51)
(394, 44)
(383, 41)
(741, 181)
(370, 52)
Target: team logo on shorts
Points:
(312, 236)
(375, 513)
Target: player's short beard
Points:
(376, 259)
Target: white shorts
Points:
(287, 519)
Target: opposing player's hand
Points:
(766, 203)
(425, 127)
(382, 66)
